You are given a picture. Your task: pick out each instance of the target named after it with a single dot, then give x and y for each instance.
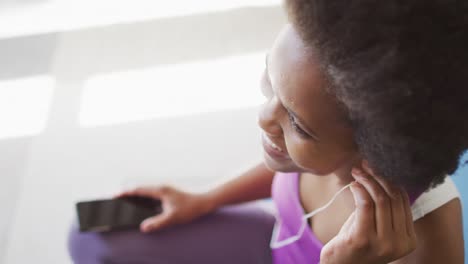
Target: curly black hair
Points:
(400, 70)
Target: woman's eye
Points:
(296, 127)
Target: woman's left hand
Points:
(381, 228)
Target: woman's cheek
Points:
(302, 155)
(311, 158)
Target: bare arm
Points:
(181, 207)
(440, 237)
(252, 185)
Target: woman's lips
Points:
(272, 149)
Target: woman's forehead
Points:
(292, 67)
(295, 72)
(290, 50)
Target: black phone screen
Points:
(120, 213)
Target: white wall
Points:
(44, 174)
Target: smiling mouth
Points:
(271, 144)
(273, 150)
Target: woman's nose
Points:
(269, 116)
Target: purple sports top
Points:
(285, 194)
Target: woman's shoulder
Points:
(434, 198)
(438, 225)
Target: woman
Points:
(361, 94)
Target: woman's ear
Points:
(357, 163)
(365, 166)
(361, 164)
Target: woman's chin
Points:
(281, 166)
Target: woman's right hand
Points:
(179, 207)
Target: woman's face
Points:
(304, 129)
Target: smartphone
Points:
(116, 214)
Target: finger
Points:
(397, 212)
(155, 223)
(364, 212)
(151, 192)
(349, 223)
(365, 166)
(122, 194)
(409, 214)
(390, 188)
(381, 201)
